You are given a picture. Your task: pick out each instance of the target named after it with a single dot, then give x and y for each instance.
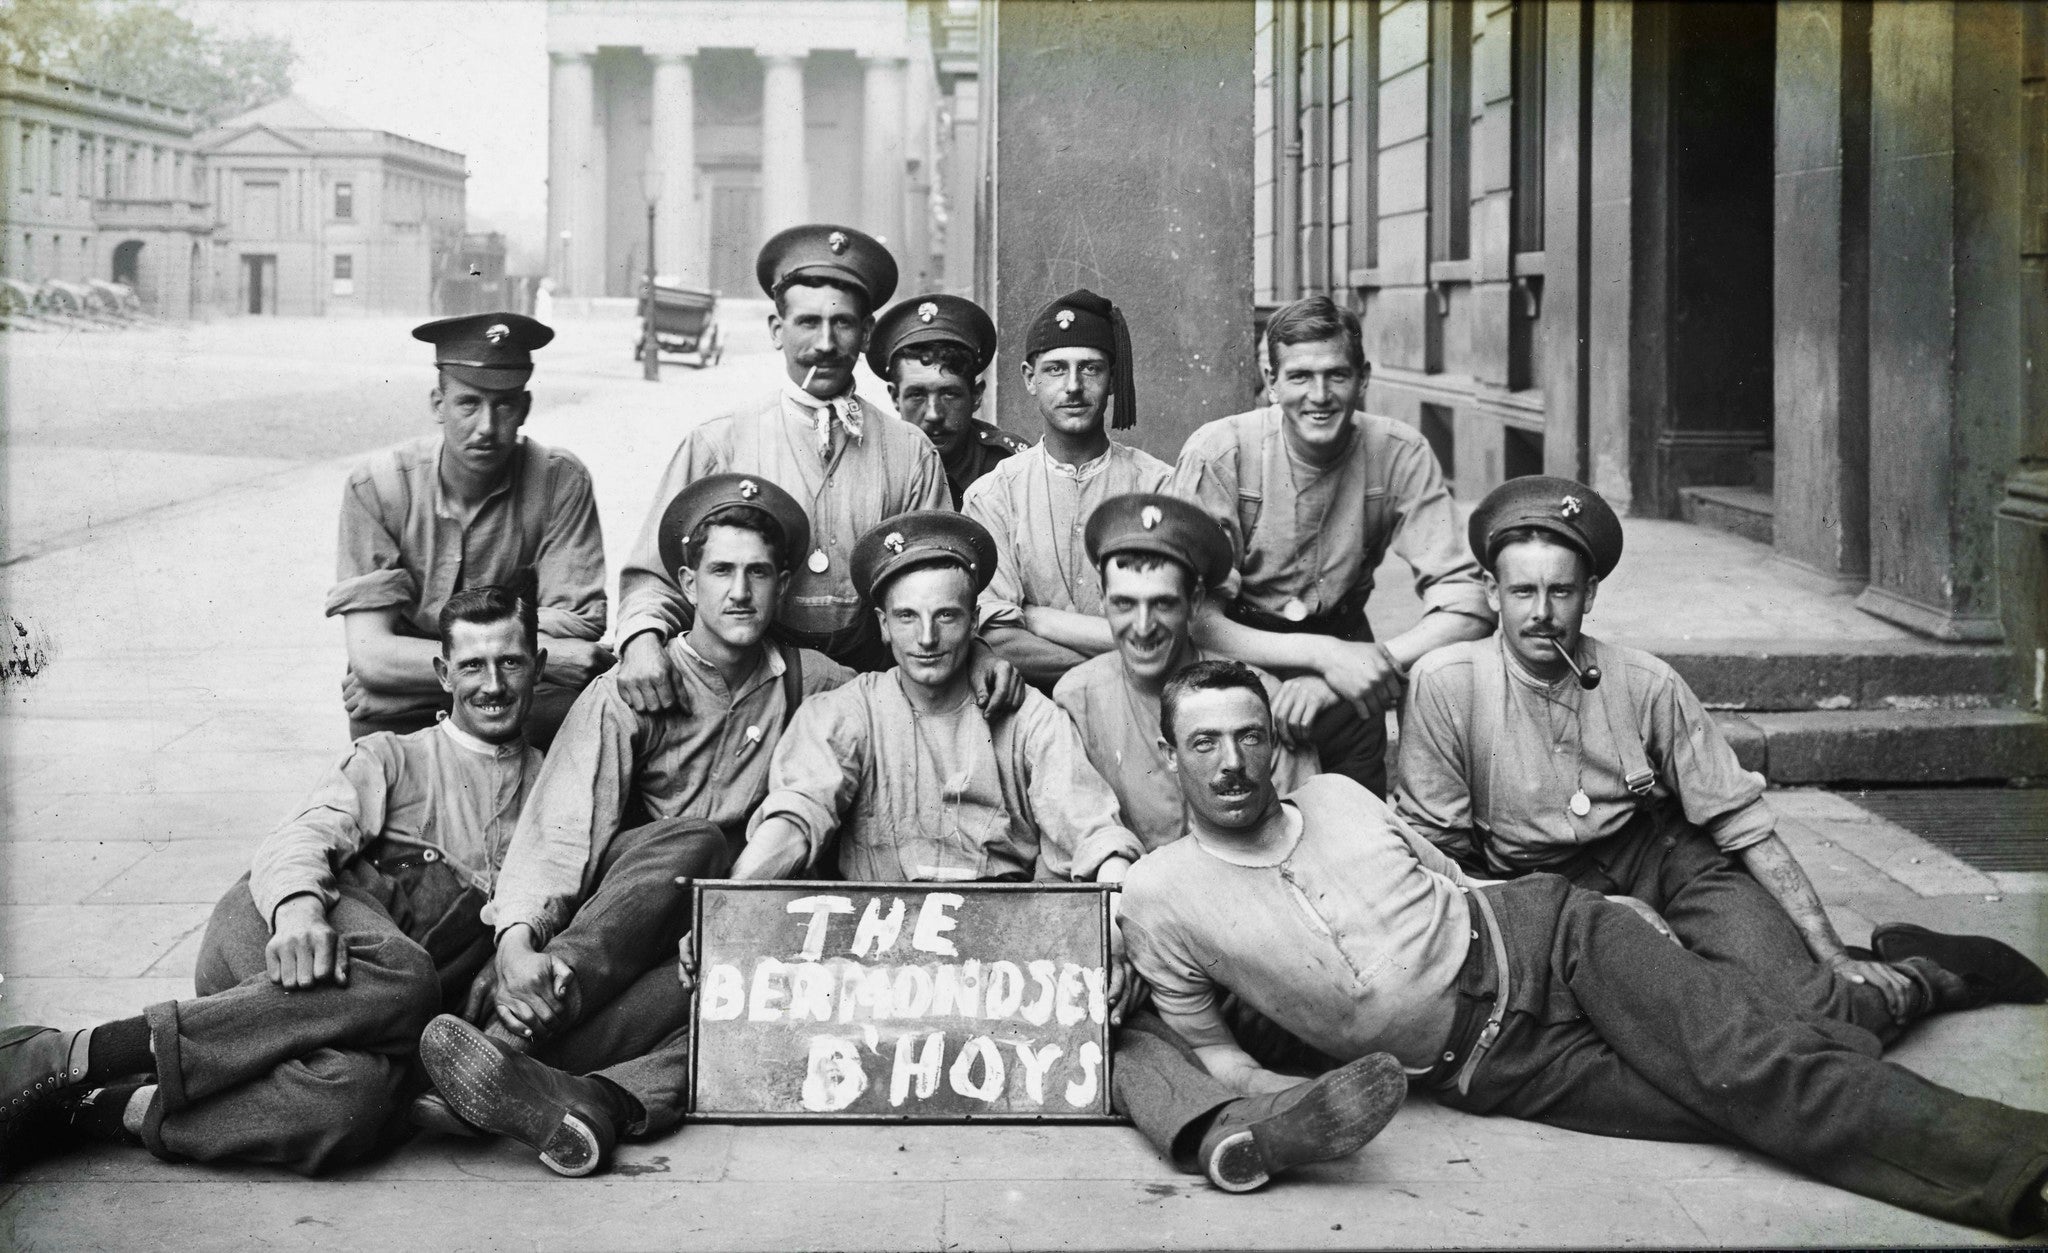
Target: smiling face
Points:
(823, 327)
(736, 586)
(1317, 386)
(488, 668)
(1541, 591)
(928, 618)
(479, 425)
(1071, 386)
(1148, 611)
(1223, 755)
(936, 401)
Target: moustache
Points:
(815, 359)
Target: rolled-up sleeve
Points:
(369, 573)
(346, 811)
(1431, 792)
(570, 563)
(577, 801)
(1002, 602)
(1073, 809)
(649, 599)
(1427, 535)
(816, 772)
(1718, 795)
(1183, 996)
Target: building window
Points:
(25, 176)
(1450, 127)
(344, 204)
(1529, 38)
(55, 183)
(1365, 134)
(84, 168)
(344, 274)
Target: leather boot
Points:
(565, 1118)
(1991, 971)
(1256, 1137)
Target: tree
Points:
(147, 48)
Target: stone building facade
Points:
(319, 215)
(1773, 266)
(752, 117)
(102, 185)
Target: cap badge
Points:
(498, 332)
(1569, 506)
(927, 311)
(749, 489)
(894, 542)
(1150, 517)
(836, 241)
(1064, 317)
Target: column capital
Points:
(565, 55)
(883, 60)
(782, 56)
(670, 54)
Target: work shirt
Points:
(438, 788)
(1351, 940)
(1119, 725)
(403, 547)
(1316, 534)
(943, 795)
(984, 447)
(710, 763)
(1037, 507)
(1510, 768)
(888, 469)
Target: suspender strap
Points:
(1621, 717)
(1491, 1031)
(792, 681)
(1489, 698)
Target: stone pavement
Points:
(170, 502)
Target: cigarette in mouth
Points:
(810, 374)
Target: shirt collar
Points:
(482, 748)
(1083, 472)
(513, 468)
(771, 666)
(1290, 839)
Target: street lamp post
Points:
(650, 348)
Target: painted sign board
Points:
(927, 1002)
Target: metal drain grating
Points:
(1991, 828)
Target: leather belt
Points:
(1491, 1031)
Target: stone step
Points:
(1834, 674)
(1743, 511)
(1762, 469)
(1891, 746)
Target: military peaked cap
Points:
(919, 538)
(711, 493)
(1165, 526)
(928, 320)
(489, 350)
(1569, 510)
(839, 253)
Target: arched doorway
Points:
(128, 262)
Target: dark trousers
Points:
(1162, 1087)
(312, 1079)
(1720, 912)
(1612, 1029)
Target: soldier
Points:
(1043, 611)
(1158, 557)
(322, 964)
(847, 461)
(466, 508)
(1624, 784)
(616, 779)
(931, 351)
(903, 775)
(1329, 917)
(1313, 492)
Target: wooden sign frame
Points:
(700, 889)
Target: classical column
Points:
(785, 180)
(882, 151)
(677, 249)
(570, 118)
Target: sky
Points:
(471, 75)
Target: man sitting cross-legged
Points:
(1531, 998)
(1509, 765)
(358, 920)
(693, 774)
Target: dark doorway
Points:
(735, 231)
(259, 284)
(128, 263)
(1521, 452)
(1718, 166)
